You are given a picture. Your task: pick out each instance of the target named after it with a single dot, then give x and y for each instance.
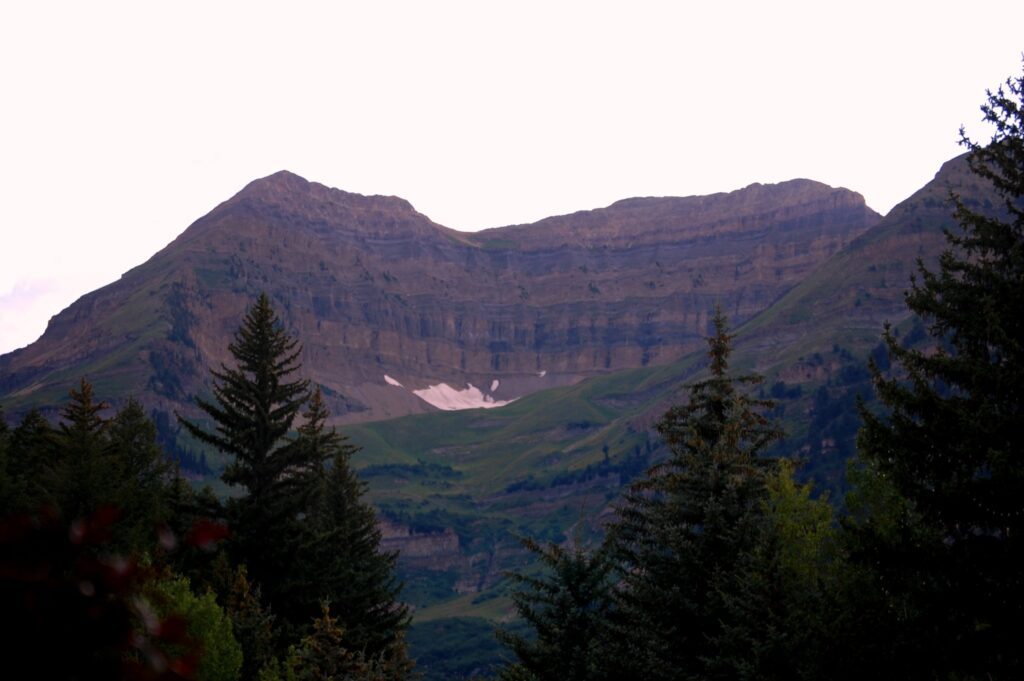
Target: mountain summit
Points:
(398, 314)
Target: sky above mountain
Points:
(124, 122)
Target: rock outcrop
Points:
(374, 288)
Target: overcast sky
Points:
(121, 123)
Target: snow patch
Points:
(447, 398)
(494, 385)
(391, 381)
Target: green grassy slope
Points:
(557, 460)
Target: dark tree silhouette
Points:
(940, 524)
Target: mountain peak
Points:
(280, 179)
(374, 287)
(285, 188)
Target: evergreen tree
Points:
(779, 600)
(943, 531)
(341, 562)
(301, 528)
(30, 448)
(684, 527)
(140, 477)
(190, 538)
(253, 625)
(9, 488)
(253, 409)
(90, 463)
(77, 477)
(568, 609)
(324, 656)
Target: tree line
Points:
(112, 566)
(720, 566)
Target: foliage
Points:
(88, 463)
(191, 537)
(255, 405)
(74, 609)
(568, 611)
(90, 517)
(458, 647)
(778, 600)
(76, 477)
(7, 480)
(302, 521)
(325, 655)
(252, 624)
(28, 456)
(340, 559)
(139, 472)
(253, 409)
(300, 528)
(684, 527)
(939, 525)
(208, 626)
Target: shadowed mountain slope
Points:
(375, 289)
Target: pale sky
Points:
(122, 123)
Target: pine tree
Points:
(90, 463)
(30, 447)
(568, 609)
(252, 623)
(190, 540)
(943, 531)
(301, 528)
(140, 476)
(253, 408)
(78, 477)
(341, 563)
(684, 527)
(9, 483)
(324, 655)
(779, 600)
(255, 405)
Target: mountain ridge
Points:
(375, 288)
(528, 469)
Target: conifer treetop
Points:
(254, 405)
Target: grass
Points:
(497, 609)
(827, 323)
(457, 648)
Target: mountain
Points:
(592, 322)
(810, 338)
(521, 457)
(399, 315)
(458, 488)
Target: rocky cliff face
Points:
(556, 464)
(374, 290)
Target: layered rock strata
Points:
(373, 289)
